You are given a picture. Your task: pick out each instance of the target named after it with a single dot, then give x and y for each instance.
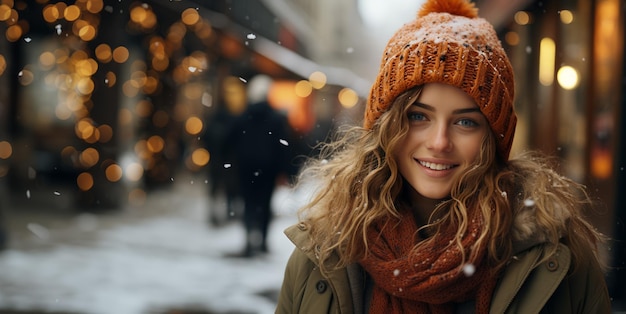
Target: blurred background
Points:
(112, 197)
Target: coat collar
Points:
(515, 277)
(341, 281)
(547, 275)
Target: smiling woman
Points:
(445, 132)
(421, 210)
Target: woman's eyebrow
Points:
(457, 111)
(424, 106)
(466, 110)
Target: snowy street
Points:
(163, 257)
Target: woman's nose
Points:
(439, 139)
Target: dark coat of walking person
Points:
(421, 210)
(223, 184)
(259, 139)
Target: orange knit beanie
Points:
(449, 43)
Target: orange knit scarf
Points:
(430, 280)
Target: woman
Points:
(421, 210)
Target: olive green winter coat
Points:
(526, 286)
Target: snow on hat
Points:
(448, 43)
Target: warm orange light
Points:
(68, 151)
(143, 108)
(138, 14)
(89, 157)
(6, 150)
(193, 125)
(106, 133)
(151, 85)
(50, 13)
(72, 13)
(3, 64)
(348, 98)
(103, 53)
(155, 144)
(110, 79)
(318, 79)
(14, 33)
(282, 96)
(160, 63)
(601, 163)
(5, 12)
(47, 60)
(26, 77)
(512, 38)
(87, 33)
(85, 86)
(95, 6)
(200, 157)
(84, 181)
(121, 54)
(141, 149)
(84, 129)
(303, 88)
(86, 67)
(190, 16)
(113, 173)
(60, 7)
(130, 89)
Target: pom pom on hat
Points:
(454, 7)
(448, 43)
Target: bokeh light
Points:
(193, 125)
(190, 16)
(85, 181)
(113, 173)
(134, 172)
(348, 98)
(120, 54)
(303, 88)
(317, 79)
(200, 157)
(6, 150)
(155, 144)
(89, 157)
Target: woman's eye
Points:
(467, 123)
(416, 116)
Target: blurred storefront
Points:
(107, 100)
(569, 62)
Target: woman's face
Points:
(446, 130)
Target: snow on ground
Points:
(146, 262)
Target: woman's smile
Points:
(446, 131)
(436, 166)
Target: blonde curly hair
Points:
(358, 183)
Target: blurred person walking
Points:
(259, 140)
(223, 183)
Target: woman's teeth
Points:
(435, 166)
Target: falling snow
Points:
(529, 202)
(469, 270)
